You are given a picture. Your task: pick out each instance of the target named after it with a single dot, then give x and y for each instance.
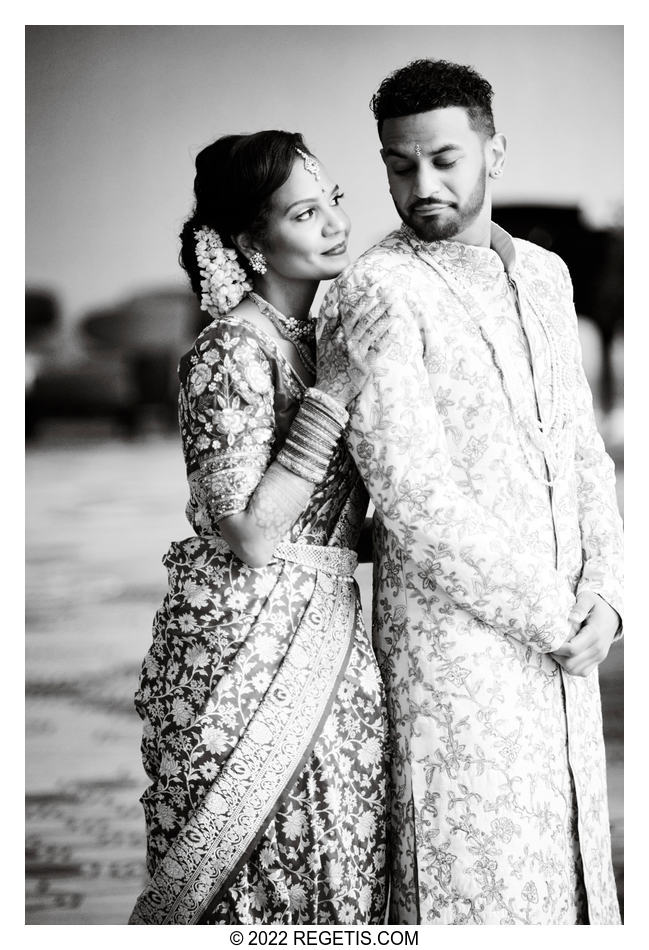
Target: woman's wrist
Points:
(333, 406)
(313, 436)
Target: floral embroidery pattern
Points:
(477, 566)
(226, 415)
(264, 716)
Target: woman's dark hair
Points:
(427, 84)
(236, 177)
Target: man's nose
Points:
(427, 180)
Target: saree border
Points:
(245, 856)
(223, 830)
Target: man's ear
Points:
(497, 149)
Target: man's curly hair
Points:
(427, 84)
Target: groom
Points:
(497, 537)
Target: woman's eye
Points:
(401, 170)
(445, 164)
(305, 215)
(337, 198)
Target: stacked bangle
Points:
(331, 406)
(313, 436)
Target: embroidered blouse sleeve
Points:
(599, 518)
(226, 420)
(397, 440)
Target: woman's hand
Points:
(345, 357)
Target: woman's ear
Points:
(244, 244)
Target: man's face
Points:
(437, 173)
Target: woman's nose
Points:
(335, 220)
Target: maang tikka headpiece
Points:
(310, 163)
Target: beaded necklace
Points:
(301, 333)
(548, 439)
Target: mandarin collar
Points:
(469, 260)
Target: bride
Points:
(264, 725)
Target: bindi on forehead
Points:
(426, 132)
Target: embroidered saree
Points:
(264, 725)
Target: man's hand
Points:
(596, 624)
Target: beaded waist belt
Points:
(330, 560)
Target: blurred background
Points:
(115, 116)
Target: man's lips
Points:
(432, 208)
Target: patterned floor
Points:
(100, 514)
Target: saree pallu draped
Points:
(264, 732)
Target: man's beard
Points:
(448, 223)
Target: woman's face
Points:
(307, 231)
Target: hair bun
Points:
(236, 177)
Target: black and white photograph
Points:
(324, 475)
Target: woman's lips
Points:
(338, 249)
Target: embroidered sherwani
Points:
(495, 505)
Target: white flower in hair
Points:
(223, 280)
